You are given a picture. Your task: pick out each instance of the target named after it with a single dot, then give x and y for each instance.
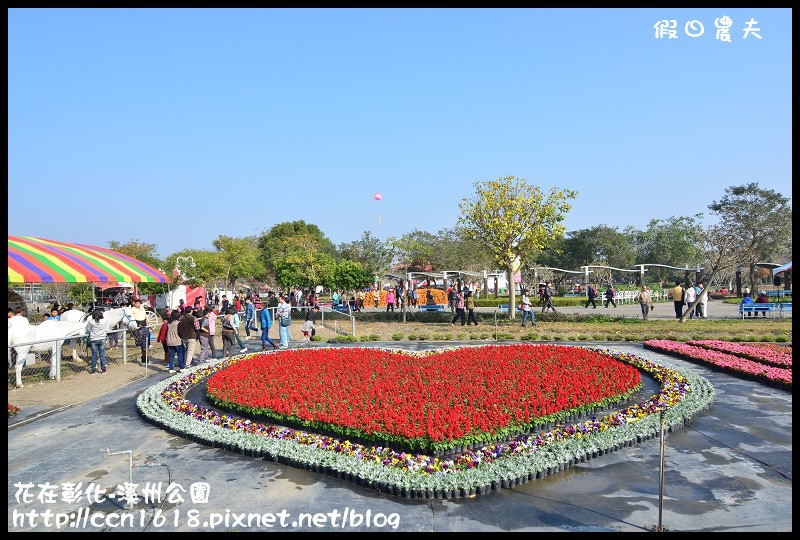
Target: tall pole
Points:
(661, 480)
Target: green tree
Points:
(374, 255)
(761, 221)
(676, 241)
(598, 246)
(208, 267)
(350, 276)
(720, 251)
(514, 221)
(238, 258)
(146, 253)
(274, 245)
(305, 265)
(453, 249)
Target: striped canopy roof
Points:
(36, 260)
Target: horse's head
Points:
(128, 320)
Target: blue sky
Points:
(175, 126)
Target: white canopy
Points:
(784, 268)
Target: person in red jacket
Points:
(162, 335)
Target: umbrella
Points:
(37, 260)
(785, 268)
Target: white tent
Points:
(780, 269)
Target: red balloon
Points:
(378, 196)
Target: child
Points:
(143, 339)
(308, 326)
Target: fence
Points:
(38, 365)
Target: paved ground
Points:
(730, 470)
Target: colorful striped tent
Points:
(36, 260)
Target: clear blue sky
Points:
(174, 126)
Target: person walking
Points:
(592, 293)
(469, 303)
(702, 306)
(548, 298)
(174, 343)
(610, 294)
(645, 301)
(98, 331)
(188, 335)
(203, 337)
(451, 298)
(284, 316)
(689, 296)
(527, 310)
(237, 323)
(459, 303)
(212, 316)
(266, 324)
(677, 299)
(390, 299)
(228, 332)
(249, 317)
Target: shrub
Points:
(781, 339)
(583, 337)
(397, 337)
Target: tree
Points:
(453, 249)
(274, 245)
(373, 254)
(759, 219)
(305, 265)
(675, 241)
(146, 253)
(600, 245)
(238, 258)
(208, 266)
(514, 221)
(720, 250)
(413, 250)
(350, 276)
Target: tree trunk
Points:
(512, 297)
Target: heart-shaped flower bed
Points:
(682, 395)
(431, 403)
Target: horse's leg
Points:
(22, 354)
(75, 357)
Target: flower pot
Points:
(504, 483)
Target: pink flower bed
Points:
(723, 361)
(766, 353)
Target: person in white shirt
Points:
(16, 318)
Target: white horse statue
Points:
(54, 331)
(112, 317)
